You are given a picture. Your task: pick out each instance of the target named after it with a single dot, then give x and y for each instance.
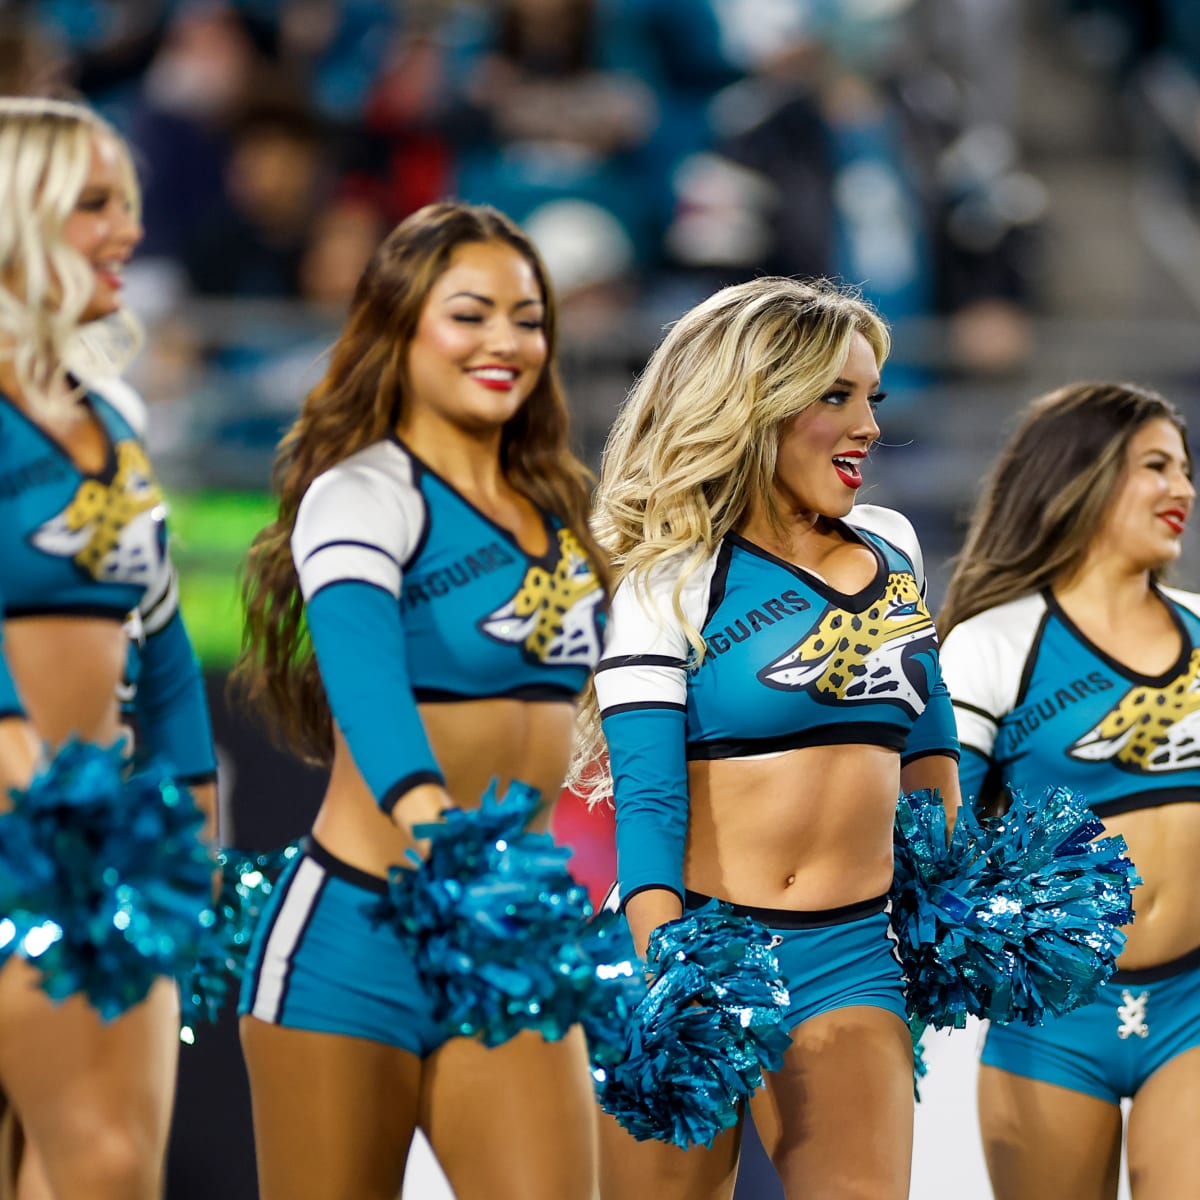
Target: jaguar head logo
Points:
(1150, 729)
(861, 656)
(112, 531)
(553, 616)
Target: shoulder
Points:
(689, 571)
(1183, 599)
(125, 400)
(892, 527)
(1012, 625)
(984, 658)
(643, 607)
(370, 495)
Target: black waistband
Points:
(1177, 966)
(343, 870)
(790, 918)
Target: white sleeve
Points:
(983, 661)
(359, 521)
(646, 650)
(893, 527)
(1188, 600)
(125, 399)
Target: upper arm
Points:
(356, 523)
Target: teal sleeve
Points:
(935, 730)
(10, 702)
(646, 751)
(170, 705)
(359, 642)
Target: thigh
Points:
(1043, 1141)
(82, 1086)
(837, 1118)
(1161, 1144)
(514, 1120)
(661, 1171)
(333, 1115)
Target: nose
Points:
(1184, 487)
(127, 227)
(866, 427)
(502, 337)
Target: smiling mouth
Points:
(498, 379)
(848, 469)
(1175, 520)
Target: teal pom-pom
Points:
(104, 881)
(608, 1009)
(1015, 917)
(247, 881)
(708, 1027)
(496, 923)
(916, 1031)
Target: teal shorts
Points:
(1109, 1048)
(319, 962)
(832, 958)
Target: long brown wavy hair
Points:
(1048, 494)
(359, 400)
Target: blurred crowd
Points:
(654, 149)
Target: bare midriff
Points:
(66, 670)
(474, 742)
(807, 830)
(1164, 844)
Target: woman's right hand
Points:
(649, 909)
(422, 805)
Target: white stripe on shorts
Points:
(285, 933)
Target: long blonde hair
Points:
(1048, 493)
(697, 438)
(45, 284)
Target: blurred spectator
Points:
(31, 62)
(834, 157)
(199, 78)
(253, 242)
(549, 107)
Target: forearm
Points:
(649, 909)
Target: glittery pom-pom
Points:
(247, 880)
(608, 1009)
(104, 881)
(496, 923)
(916, 1031)
(1018, 917)
(704, 1033)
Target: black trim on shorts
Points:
(790, 918)
(343, 870)
(1167, 970)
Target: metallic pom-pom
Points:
(247, 880)
(104, 881)
(704, 1033)
(1013, 917)
(916, 1031)
(495, 923)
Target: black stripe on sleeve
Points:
(906, 759)
(979, 712)
(348, 542)
(397, 791)
(642, 706)
(648, 887)
(640, 660)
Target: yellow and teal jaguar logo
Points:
(849, 657)
(113, 532)
(553, 615)
(1150, 729)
